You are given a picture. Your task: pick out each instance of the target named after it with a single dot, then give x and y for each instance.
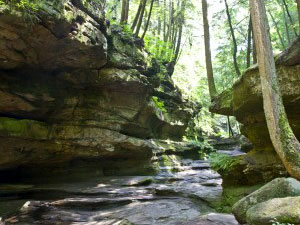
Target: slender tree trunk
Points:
(277, 30)
(165, 21)
(285, 23)
(249, 43)
(281, 134)
(148, 21)
(127, 11)
(170, 21)
(136, 18)
(141, 17)
(123, 11)
(290, 17)
(254, 54)
(209, 69)
(298, 8)
(158, 19)
(230, 131)
(236, 66)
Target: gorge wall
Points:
(244, 101)
(72, 89)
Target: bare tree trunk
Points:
(165, 21)
(236, 66)
(249, 43)
(290, 17)
(209, 69)
(170, 21)
(281, 134)
(277, 30)
(123, 11)
(230, 131)
(127, 11)
(254, 54)
(158, 19)
(298, 8)
(148, 21)
(141, 17)
(136, 18)
(285, 23)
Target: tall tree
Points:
(249, 43)
(209, 69)
(180, 29)
(136, 18)
(290, 17)
(159, 19)
(148, 20)
(298, 8)
(236, 66)
(124, 11)
(277, 30)
(281, 134)
(141, 17)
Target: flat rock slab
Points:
(214, 219)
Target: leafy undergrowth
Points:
(222, 161)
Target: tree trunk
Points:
(236, 66)
(136, 18)
(170, 21)
(298, 7)
(230, 131)
(165, 21)
(123, 11)
(148, 21)
(249, 43)
(254, 45)
(281, 134)
(158, 20)
(127, 11)
(290, 17)
(209, 69)
(277, 30)
(141, 17)
(285, 23)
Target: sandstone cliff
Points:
(244, 101)
(73, 89)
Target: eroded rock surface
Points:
(72, 90)
(244, 101)
(113, 200)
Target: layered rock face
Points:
(244, 101)
(72, 89)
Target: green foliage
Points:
(275, 222)
(158, 48)
(27, 5)
(127, 32)
(159, 104)
(222, 161)
(28, 8)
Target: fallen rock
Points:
(282, 210)
(278, 188)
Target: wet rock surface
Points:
(168, 198)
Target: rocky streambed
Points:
(179, 194)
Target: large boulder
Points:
(278, 188)
(244, 101)
(282, 210)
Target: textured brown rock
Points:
(246, 105)
(70, 91)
